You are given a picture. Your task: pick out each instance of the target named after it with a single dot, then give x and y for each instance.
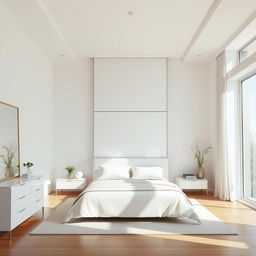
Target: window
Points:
(247, 50)
(249, 137)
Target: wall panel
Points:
(130, 116)
(130, 134)
(130, 84)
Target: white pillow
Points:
(114, 172)
(147, 173)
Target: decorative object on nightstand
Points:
(200, 159)
(189, 176)
(70, 184)
(201, 184)
(70, 169)
(79, 174)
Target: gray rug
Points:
(210, 224)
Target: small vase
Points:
(29, 172)
(200, 172)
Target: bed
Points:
(126, 197)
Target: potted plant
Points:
(200, 159)
(7, 160)
(70, 169)
(28, 165)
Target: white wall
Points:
(189, 117)
(26, 81)
(190, 107)
(73, 116)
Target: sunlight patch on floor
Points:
(53, 201)
(204, 240)
(222, 203)
(231, 212)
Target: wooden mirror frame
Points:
(18, 137)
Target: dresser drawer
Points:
(19, 204)
(36, 205)
(26, 200)
(37, 183)
(20, 191)
(26, 211)
(21, 216)
(37, 188)
(33, 196)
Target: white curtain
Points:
(226, 155)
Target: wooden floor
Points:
(239, 217)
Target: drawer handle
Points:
(37, 200)
(22, 210)
(22, 197)
(38, 189)
(22, 184)
(38, 178)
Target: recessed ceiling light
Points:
(130, 12)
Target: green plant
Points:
(70, 169)
(200, 154)
(28, 165)
(10, 154)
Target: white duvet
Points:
(131, 198)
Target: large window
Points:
(249, 137)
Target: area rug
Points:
(53, 225)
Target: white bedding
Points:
(132, 198)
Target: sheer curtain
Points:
(226, 133)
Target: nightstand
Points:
(70, 184)
(192, 184)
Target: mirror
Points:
(9, 142)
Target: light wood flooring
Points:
(238, 216)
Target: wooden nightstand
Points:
(192, 184)
(70, 184)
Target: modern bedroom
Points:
(128, 127)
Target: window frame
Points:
(242, 175)
(244, 46)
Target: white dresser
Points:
(19, 199)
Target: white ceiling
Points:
(101, 28)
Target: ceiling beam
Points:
(201, 27)
(53, 23)
(251, 18)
